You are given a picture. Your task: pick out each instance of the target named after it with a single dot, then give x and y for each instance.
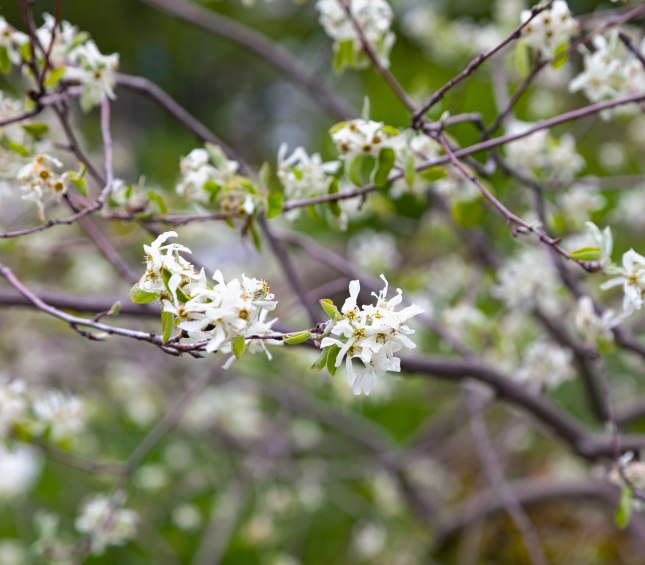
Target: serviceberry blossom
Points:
(545, 366)
(610, 71)
(11, 40)
(372, 333)
(14, 404)
(217, 312)
(550, 29)
(542, 154)
(629, 473)
(208, 176)
(63, 416)
(41, 183)
(593, 326)
(632, 278)
(66, 38)
(10, 108)
(106, 525)
(303, 175)
(360, 137)
(374, 18)
(579, 201)
(374, 252)
(95, 71)
(19, 468)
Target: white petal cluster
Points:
(304, 175)
(593, 326)
(542, 154)
(372, 333)
(14, 404)
(610, 71)
(208, 176)
(373, 251)
(106, 525)
(579, 201)
(216, 312)
(95, 71)
(11, 40)
(528, 280)
(360, 137)
(631, 474)
(545, 366)
(41, 183)
(374, 18)
(632, 278)
(62, 415)
(66, 38)
(549, 29)
(19, 469)
(10, 108)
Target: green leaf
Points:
(344, 55)
(408, 169)
(331, 359)
(115, 309)
(365, 113)
(384, 165)
(321, 361)
(38, 130)
(139, 296)
(238, 344)
(522, 58)
(433, 174)
(17, 148)
(54, 77)
(165, 276)
(275, 204)
(330, 309)
(334, 206)
(360, 169)
(467, 213)
(255, 236)
(586, 254)
(167, 325)
(264, 177)
(295, 339)
(560, 55)
(624, 510)
(5, 61)
(158, 200)
(25, 51)
(182, 296)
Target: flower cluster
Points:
(546, 366)
(542, 154)
(11, 42)
(374, 17)
(550, 29)
(593, 326)
(610, 71)
(41, 183)
(208, 176)
(219, 313)
(632, 278)
(358, 138)
(372, 333)
(106, 523)
(303, 175)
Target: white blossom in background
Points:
(62, 415)
(550, 29)
(95, 71)
(374, 252)
(631, 208)
(303, 175)
(93, 520)
(369, 541)
(579, 201)
(374, 18)
(19, 469)
(545, 366)
(14, 133)
(455, 187)
(542, 154)
(372, 334)
(528, 280)
(610, 71)
(360, 137)
(463, 319)
(208, 176)
(11, 40)
(187, 517)
(629, 473)
(632, 278)
(40, 182)
(593, 326)
(14, 404)
(65, 39)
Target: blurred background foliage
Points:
(329, 501)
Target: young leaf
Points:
(275, 203)
(158, 200)
(330, 309)
(624, 510)
(331, 359)
(54, 77)
(384, 165)
(334, 206)
(295, 339)
(586, 254)
(321, 361)
(37, 130)
(5, 61)
(238, 344)
(139, 296)
(167, 324)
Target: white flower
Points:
(374, 18)
(374, 251)
(12, 41)
(62, 414)
(593, 326)
(362, 138)
(19, 468)
(550, 29)
(95, 71)
(107, 526)
(369, 541)
(545, 366)
(66, 38)
(577, 203)
(373, 334)
(14, 404)
(303, 175)
(632, 279)
(610, 71)
(40, 183)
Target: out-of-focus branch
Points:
(257, 43)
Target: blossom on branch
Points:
(41, 183)
(551, 29)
